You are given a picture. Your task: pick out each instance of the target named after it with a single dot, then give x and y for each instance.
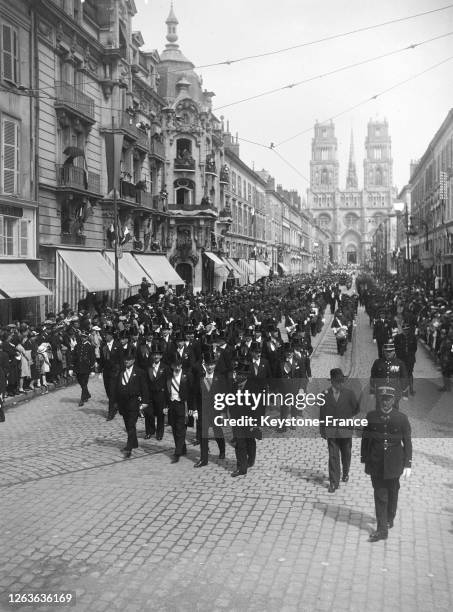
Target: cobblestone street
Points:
(142, 534)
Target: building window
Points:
(10, 155)
(324, 177)
(377, 153)
(14, 237)
(10, 59)
(239, 187)
(233, 182)
(249, 193)
(379, 180)
(184, 192)
(324, 153)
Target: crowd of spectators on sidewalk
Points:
(32, 356)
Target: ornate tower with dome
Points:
(194, 175)
(352, 215)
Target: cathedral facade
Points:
(352, 215)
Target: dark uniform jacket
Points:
(391, 372)
(346, 407)
(386, 444)
(83, 358)
(382, 330)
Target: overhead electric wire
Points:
(331, 72)
(325, 39)
(381, 93)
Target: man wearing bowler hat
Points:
(340, 403)
(211, 384)
(386, 452)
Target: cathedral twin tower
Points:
(351, 216)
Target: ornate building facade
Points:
(195, 171)
(350, 216)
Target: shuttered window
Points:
(10, 155)
(10, 60)
(23, 237)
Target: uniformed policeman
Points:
(390, 371)
(386, 452)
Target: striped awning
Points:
(80, 272)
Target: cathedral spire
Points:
(351, 180)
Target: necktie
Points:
(256, 367)
(175, 385)
(208, 383)
(126, 377)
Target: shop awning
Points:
(130, 269)
(248, 269)
(159, 269)
(220, 268)
(283, 268)
(241, 274)
(91, 269)
(231, 269)
(261, 269)
(16, 281)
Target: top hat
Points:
(209, 355)
(156, 347)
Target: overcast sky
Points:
(217, 30)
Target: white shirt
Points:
(110, 344)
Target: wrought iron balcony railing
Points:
(77, 178)
(70, 96)
(184, 164)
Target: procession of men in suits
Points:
(167, 361)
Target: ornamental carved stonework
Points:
(45, 29)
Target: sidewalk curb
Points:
(10, 402)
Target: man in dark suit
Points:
(244, 437)
(382, 332)
(178, 392)
(405, 349)
(340, 403)
(210, 384)
(291, 380)
(157, 374)
(110, 364)
(144, 352)
(131, 395)
(387, 454)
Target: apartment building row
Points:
(90, 122)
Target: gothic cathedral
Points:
(351, 216)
